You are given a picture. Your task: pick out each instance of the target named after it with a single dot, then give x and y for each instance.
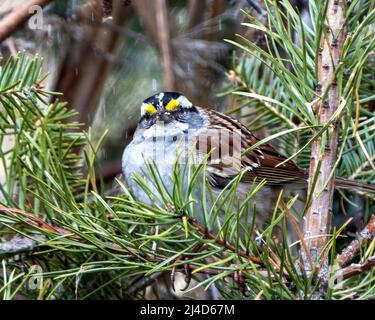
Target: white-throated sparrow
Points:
(171, 125)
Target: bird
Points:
(171, 128)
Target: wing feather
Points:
(227, 139)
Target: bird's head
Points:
(169, 108)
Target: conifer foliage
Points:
(63, 237)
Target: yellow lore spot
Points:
(172, 105)
(150, 108)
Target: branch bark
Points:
(196, 10)
(208, 235)
(145, 9)
(193, 71)
(89, 58)
(355, 269)
(38, 222)
(116, 248)
(15, 19)
(324, 150)
(165, 46)
(348, 254)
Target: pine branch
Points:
(356, 269)
(37, 222)
(117, 240)
(116, 248)
(222, 243)
(348, 254)
(324, 149)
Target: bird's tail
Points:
(349, 184)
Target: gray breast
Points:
(163, 148)
(153, 146)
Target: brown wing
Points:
(227, 139)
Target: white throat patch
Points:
(184, 102)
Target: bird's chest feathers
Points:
(161, 146)
(161, 150)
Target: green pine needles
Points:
(78, 243)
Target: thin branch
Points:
(356, 269)
(115, 248)
(90, 56)
(348, 254)
(257, 7)
(324, 150)
(216, 10)
(17, 245)
(145, 9)
(15, 19)
(33, 220)
(220, 242)
(298, 231)
(142, 283)
(40, 223)
(162, 22)
(195, 16)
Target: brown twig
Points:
(216, 9)
(117, 249)
(162, 22)
(323, 158)
(142, 283)
(33, 220)
(15, 19)
(195, 15)
(256, 6)
(37, 222)
(90, 55)
(348, 254)
(298, 231)
(226, 245)
(356, 269)
(145, 9)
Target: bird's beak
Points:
(164, 117)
